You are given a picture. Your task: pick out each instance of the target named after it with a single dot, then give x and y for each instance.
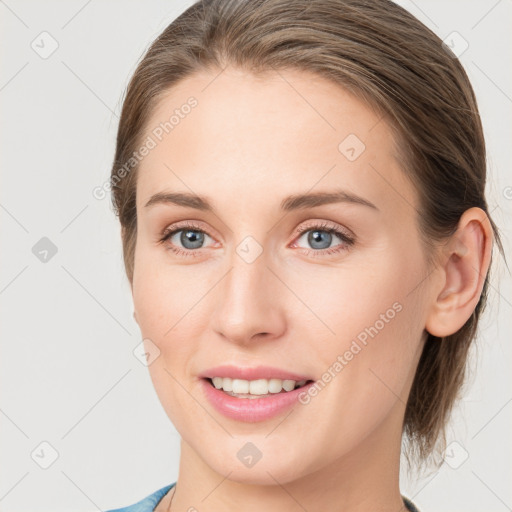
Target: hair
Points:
(387, 58)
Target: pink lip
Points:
(260, 372)
(251, 410)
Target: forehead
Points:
(281, 131)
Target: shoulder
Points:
(148, 503)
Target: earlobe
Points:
(465, 265)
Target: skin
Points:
(250, 142)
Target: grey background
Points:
(69, 376)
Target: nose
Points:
(250, 303)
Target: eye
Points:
(189, 235)
(321, 236)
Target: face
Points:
(332, 287)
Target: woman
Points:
(300, 186)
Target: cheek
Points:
(163, 293)
(371, 354)
(170, 302)
(347, 299)
(164, 298)
(368, 314)
(158, 312)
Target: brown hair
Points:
(389, 59)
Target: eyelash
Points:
(347, 240)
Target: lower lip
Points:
(251, 410)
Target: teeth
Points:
(255, 387)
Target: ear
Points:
(464, 266)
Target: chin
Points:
(268, 466)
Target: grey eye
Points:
(190, 238)
(319, 238)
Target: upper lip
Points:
(258, 372)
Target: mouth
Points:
(253, 401)
(255, 389)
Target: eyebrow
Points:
(294, 202)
